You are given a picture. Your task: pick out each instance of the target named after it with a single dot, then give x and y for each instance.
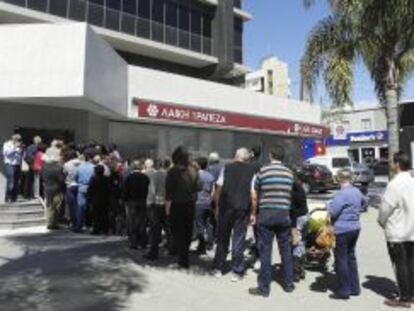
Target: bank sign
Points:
(360, 137)
(183, 114)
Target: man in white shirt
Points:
(396, 217)
(13, 154)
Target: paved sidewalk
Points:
(65, 271)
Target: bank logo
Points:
(153, 111)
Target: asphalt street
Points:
(41, 270)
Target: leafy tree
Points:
(378, 32)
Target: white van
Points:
(333, 163)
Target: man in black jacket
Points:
(234, 204)
(135, 197)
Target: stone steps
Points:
(22, 214)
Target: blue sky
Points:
(280, 28)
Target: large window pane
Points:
(143, 27)
(112, 19)
(158, 11)
(184, 39)
(144, 8)
(171, 35)
(39, 5)
(183, 18)
(129, 6)
(99, 2)
(77, 10)
(17, 2)
(113, 4)
(207, 46)
(195, 22)
(207, 20)
(58, 7)
(95, 14)
(196, 43)
(157, 32)
(128, 23)
(171, 15)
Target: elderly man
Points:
(233, 204)
(13, 154)
(396, 217)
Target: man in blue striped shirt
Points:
(271, 202)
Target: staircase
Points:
(22, 214)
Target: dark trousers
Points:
(28, 188)
(269, 224)
(346, 264)
(12, 182)
(158, 222)
(54, 201)
(136, 223)
(402, 258)
(100, 220)
(231, 220)
(204, 227)
(71, 203)
(182, 220)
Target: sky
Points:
(280, 28)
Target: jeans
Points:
(402, 258)
(12, 182)
(80, 210)
(36, 185)
(136, 223)
(269, 223)
(158, 222)
(28, 189)
(299, 249)
(71, 203)
(203, 225)
(231, 220)
(346, 264)
(182, 220)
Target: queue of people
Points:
(173, 202)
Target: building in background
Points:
(407, 128)
(139, 78)
(360, 133)
(272, 78)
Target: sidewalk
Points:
(60, 270)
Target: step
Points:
(20, 206)
(21, 214)
(33, 222)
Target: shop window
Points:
(368, 153)
(354, 155)
(366, 124)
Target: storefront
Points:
(364, 146)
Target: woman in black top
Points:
(181, 194)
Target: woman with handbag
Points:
(345, 210)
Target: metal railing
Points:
(97, 15)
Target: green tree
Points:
(378, 32)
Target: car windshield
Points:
(340, 162)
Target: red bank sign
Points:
(184, 114)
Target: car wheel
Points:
(306, 188)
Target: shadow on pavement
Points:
(324, 283)
(381, 286)
(62, 272)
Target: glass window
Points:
(144, 8)
(112, 19)
(158, 11)
(171, 15)
(207, 26)
(143, 27)
(366, 124)
(58, 7)
(95, 14)
(195, 22)
(17, 2)
(77, 10)
(113, 4)
(184, 18)
(128, 23)
(129, 6)
(98, 2)
(39, 5)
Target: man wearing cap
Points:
(13, 154)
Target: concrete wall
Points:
(156, 85)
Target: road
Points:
(44, 271)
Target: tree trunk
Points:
(393, 124)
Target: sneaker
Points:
(397, 303)
(217, 274)
(256, 291)
(256, 265)
(236, 277)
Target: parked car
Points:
(333, 163)
(363, 174)
(315, 177)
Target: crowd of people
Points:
(170, 202)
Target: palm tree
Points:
(378, 32)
